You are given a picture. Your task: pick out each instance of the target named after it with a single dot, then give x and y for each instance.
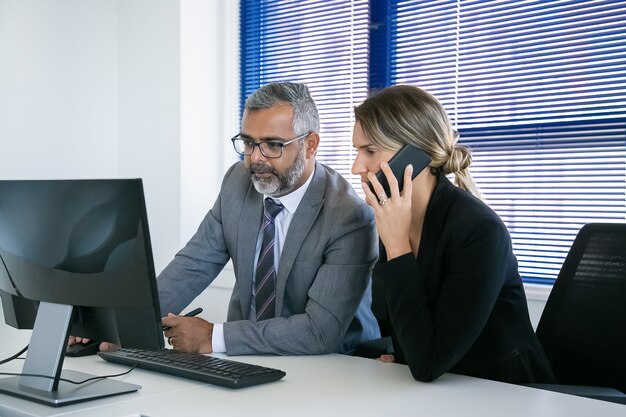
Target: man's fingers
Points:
(75, 339)
(108, 346)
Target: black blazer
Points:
(460, 305)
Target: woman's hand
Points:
(387, 358)
(393, 213)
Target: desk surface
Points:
(328, 385)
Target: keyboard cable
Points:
(9, 359)
(15, 356)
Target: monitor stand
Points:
(45, 356)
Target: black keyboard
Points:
(217, 371)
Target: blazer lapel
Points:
(302, 221)
(250, 224)
(436, 214)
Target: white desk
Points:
(329, 385)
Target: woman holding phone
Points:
(446, 286)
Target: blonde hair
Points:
(404, 114)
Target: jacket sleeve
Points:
(197, 264)
(434, 334)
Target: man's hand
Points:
(76, 339)
(102, 346)
(188, 334)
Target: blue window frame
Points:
(537, 89)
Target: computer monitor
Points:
(76, 254)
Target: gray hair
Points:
(305, 115)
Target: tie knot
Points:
(272, 208)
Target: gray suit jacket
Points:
(323, 293)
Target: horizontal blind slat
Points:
(538, 91)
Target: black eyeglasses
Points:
(270, 149)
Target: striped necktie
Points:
(265, 286)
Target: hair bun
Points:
(459, 160)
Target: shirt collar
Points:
(292, 200)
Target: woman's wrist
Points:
(397, 251)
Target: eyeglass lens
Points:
(268, 149)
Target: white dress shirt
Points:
(282, 221)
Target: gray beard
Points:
(279, 184)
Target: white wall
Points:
(209, 117)
(148, 112)
(209, 104)
(126, 88)
(58, 89)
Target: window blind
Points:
(538, 90)
(535, 88)
(323, 44)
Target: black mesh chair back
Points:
(583, 325)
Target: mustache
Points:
(261, 169)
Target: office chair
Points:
(583, 325)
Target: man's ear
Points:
(312, 142)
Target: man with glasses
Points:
(301, 241)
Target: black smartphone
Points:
(406, 155)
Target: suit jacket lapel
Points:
(302, 221)
(249, 227)
(436, 214)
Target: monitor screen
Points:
(76, 255)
